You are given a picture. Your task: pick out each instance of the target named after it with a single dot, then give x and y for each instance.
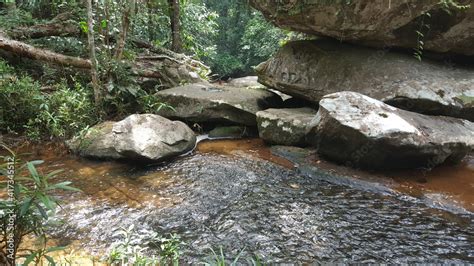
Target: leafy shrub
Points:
(14, 18)
(63, 113)
(150, 104)
(144, 248)
(32, 206)
(20, 99)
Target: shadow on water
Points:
(236, 194)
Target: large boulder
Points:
(445, 27)
(97, 142)
(204, 102)
(145, 137)
(312, 69)
(356, 130)
(152, 137)
(285, 126)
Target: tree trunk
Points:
(26, 50)
(90, 38)
(176, 43)
(130, 6)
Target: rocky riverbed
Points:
(241, 194)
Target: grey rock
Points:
(250, 81)
(284, 126)
(151, 137)
(356, 130)
(312, 69)
(204, 102)
(144, 137)
(230, 132)
(97, 142)
(378, 23)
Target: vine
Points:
(448, 6)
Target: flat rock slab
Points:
(250, 81)
(312, 69)
(204, 102)
(285, 126)
(356, 130)
(144, 137)
(379, 23)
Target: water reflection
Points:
(235, 198)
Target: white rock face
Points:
(284, 126)
(144, 137)
(357, 130)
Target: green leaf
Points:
(33, 172)
(25, 206)
(41, 210)
(50, 260)
(54, 173)
(46, 200)
(64, 186)
(29, 259)
(52, 249)
(84, 26)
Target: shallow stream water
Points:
(236, 195)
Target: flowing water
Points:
(236, 195)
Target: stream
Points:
(236, 195)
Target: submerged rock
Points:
(312, 69)
(230, 132)
(379, 23)
(204, 102)
(357, 130)
(145, 137)
(284, 126)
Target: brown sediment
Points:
(252, 146)
(453, 181)
(114, 182)
(109, 181)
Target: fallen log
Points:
(26, 50)
(166, 70)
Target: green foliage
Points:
(227, 64)
(452, 5)
(60, 114)
(51, 8)
(32, 204)
(244, 38)
(130, 249)
(449, 6)
(63, 113)
(170, 249)
(150, 104)
(199, 29)
(260, 40)
(219, 259)
(20, 98)
(15, 18)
